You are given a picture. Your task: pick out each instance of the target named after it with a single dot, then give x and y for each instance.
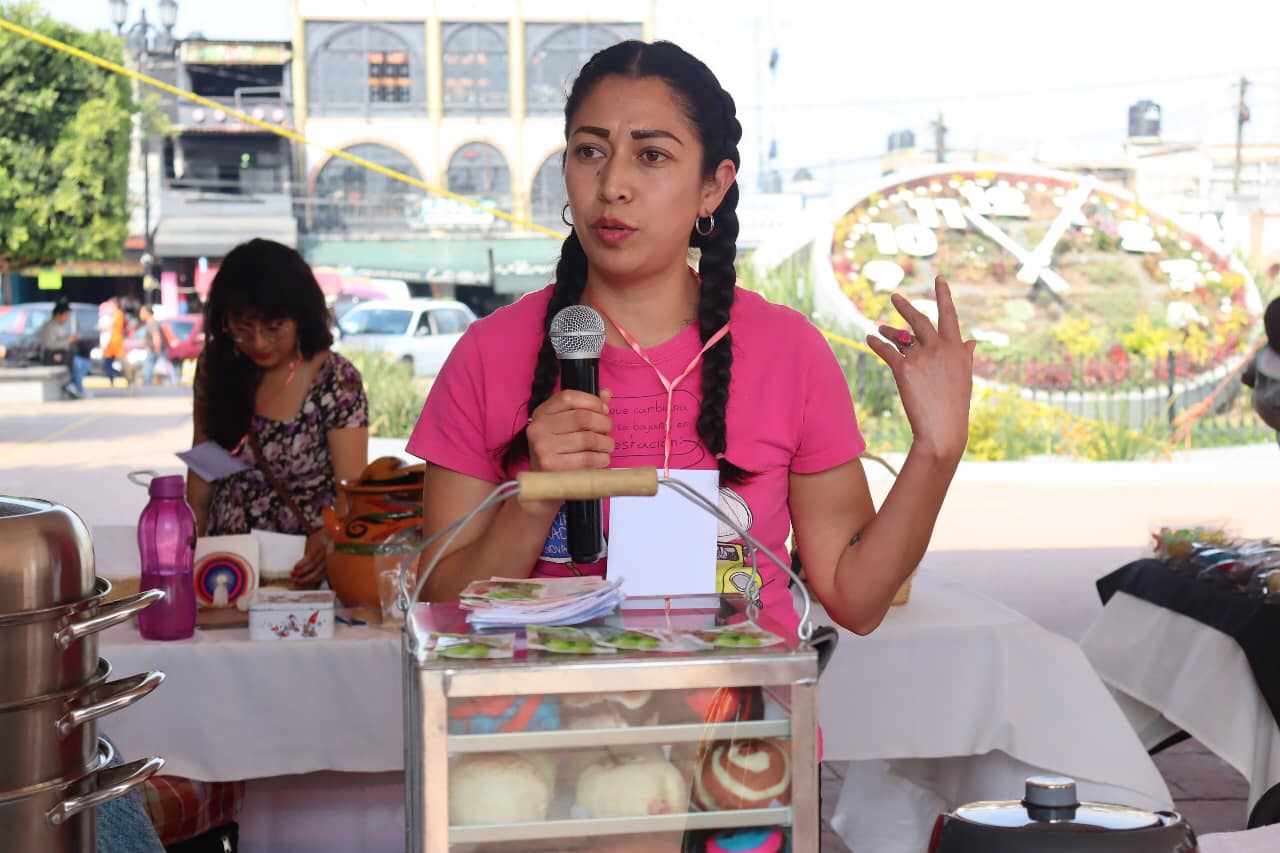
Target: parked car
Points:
(185, 333)
(420, 332)
(20, 330)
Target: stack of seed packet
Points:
(504, 602)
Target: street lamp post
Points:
(144, 39)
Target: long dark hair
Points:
(711, 111)
(267, 281)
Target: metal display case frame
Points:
(432, 684)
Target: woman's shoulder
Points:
(769, 321)
(334, 368)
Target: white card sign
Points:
(665, 545)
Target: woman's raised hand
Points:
(934, 372)
(570, 431)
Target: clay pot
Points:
(382, 527)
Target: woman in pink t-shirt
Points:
(650, 168)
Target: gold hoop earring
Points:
(564, 218)
(711, 225)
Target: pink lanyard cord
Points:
(669, 384)
(293, 369)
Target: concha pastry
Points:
(578, 760)
(634, 787)
(499, 787)
(608, 710)
(745, 774)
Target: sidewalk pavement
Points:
(1034, 535)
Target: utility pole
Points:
(1242, 116)
(939, 138)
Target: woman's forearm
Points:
(508, 547)
(888, 550)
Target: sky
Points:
(1004, 75)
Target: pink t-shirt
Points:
(789, 411)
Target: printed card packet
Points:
(565, 641)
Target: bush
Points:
(395, 394)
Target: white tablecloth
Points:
(1172, 669)
(957, 698)
(954, 698)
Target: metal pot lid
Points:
(46, 555)
(1051, 804)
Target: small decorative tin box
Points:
(291, 614)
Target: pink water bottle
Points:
(167, 543)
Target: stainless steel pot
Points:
(1051, 820)
(58, 817)
(46, 556)
(55, 737)
(54, 649)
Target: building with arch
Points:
(461, 95)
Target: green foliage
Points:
(64, 145)
(395, 394)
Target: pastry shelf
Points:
(567, 738)
(587, 828)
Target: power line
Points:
(1015, 93)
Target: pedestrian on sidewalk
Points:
(58, 346)
(157, 348)
(111, 324)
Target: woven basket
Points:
(904, 591)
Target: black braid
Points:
(719, 283)
(571, 281)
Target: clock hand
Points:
(1052, 280)
(1042, 255)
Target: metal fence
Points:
(1147, 395)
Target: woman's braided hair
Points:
(711, 111)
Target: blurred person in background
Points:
(1263, 373)
(58, 346)
(111, 322)
(157, 348)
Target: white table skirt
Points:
(957, 698)
(1170, 668)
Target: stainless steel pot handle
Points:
(112, 782)
(123, 692)
(112, 613)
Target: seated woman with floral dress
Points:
(270, 391)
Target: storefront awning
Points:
(509, 265)
(214, 236)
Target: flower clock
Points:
(1068, 281)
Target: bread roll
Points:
(500, 787)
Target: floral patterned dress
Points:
(298, 453)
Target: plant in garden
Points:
(395, 394)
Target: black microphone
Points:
(577, 333)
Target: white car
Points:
(420, 332)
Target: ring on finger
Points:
(903, 339)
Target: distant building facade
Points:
(466, 96)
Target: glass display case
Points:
(657, 749)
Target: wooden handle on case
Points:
(587, 484)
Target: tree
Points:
(64, 145)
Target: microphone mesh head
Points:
(577, 332)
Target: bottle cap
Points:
(172, 486)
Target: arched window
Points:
(558, 51)
(548, 197)
(350, 198)
(478, 171)
(364, 68)
(475, 69)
